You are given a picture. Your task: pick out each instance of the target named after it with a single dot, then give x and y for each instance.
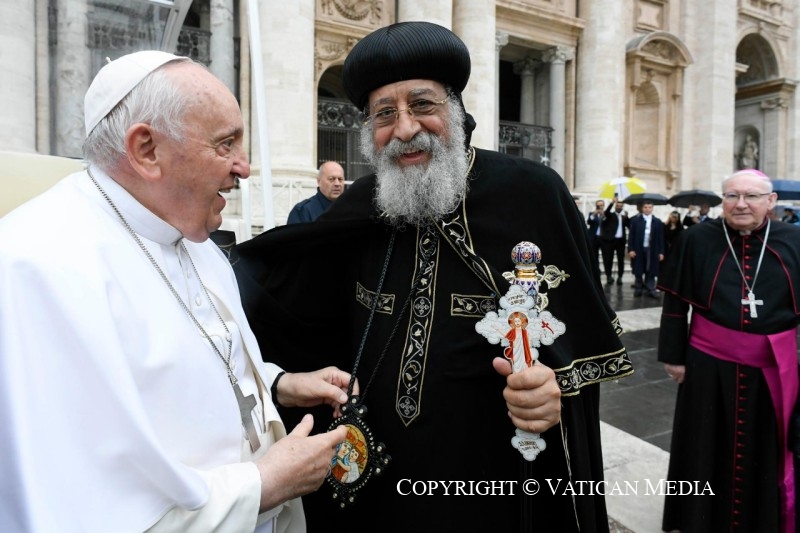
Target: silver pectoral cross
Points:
(246, 406)
(752, 302)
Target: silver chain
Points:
(228, 336)
(760, 257)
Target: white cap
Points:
(118, 78)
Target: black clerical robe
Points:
(725, 432)
(432, 395)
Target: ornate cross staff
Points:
(522, 325)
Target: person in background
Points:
(697, 214)
(132, 390)
(790, 216)
(672, 227)
(646, 250)
(595, 222)
(330, 185)
(614, 237)
(419, 249)
(736, 363)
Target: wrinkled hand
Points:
(532, 396)
(675, 372)
(307, 389)
(297, 464)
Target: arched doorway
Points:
(338, 126)
(762, 100)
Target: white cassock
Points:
(115, 413)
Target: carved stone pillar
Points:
(557, 57)
(500, 40)
(18, 90)
(290, 89)
(72, 76)
(526, 69)
(436, 11)
(474, 22)
(601, 79)
(221, 43)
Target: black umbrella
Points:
(638, 198)
(786, 189)
(695, 197)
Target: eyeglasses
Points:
(418, 108)
(750, 197)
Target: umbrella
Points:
(786, 189)
(654, 197)
(622, 187)
(695, 197)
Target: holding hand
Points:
(675, 372)
(307, 389)
(297, 464)
(532, 396)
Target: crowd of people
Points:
(617, 235)
(219, 395)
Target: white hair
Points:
(157, 100)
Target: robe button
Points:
(198, 300)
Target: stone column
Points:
(72, 76)
(708, 132)
(474, 22)
(437, 11)
(18, 90)
(291, 92)
(221, 45)
(557, 57)
(501, 39)
(525, 69)
(601, 84)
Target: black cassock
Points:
(725, 432)
(435, 401)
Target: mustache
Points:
(423, 141)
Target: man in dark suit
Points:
(694, 217)
(646, 250)
(594, 221)
(613, 232)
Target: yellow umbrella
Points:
(622, 187)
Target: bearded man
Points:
(418, 252)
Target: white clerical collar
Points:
(142, 220)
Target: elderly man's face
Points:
(741, 214)
(399, 96)
(420, 161)
(207, 161)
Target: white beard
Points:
(420, 194)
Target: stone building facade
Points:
(678, 93)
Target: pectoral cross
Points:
(246, 406)
(752, 302)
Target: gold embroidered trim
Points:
(471, 306)
(365, 297)
(408, 401)
(591, 370)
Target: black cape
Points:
(724, 431)
(307, 290)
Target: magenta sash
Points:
(776, 356)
